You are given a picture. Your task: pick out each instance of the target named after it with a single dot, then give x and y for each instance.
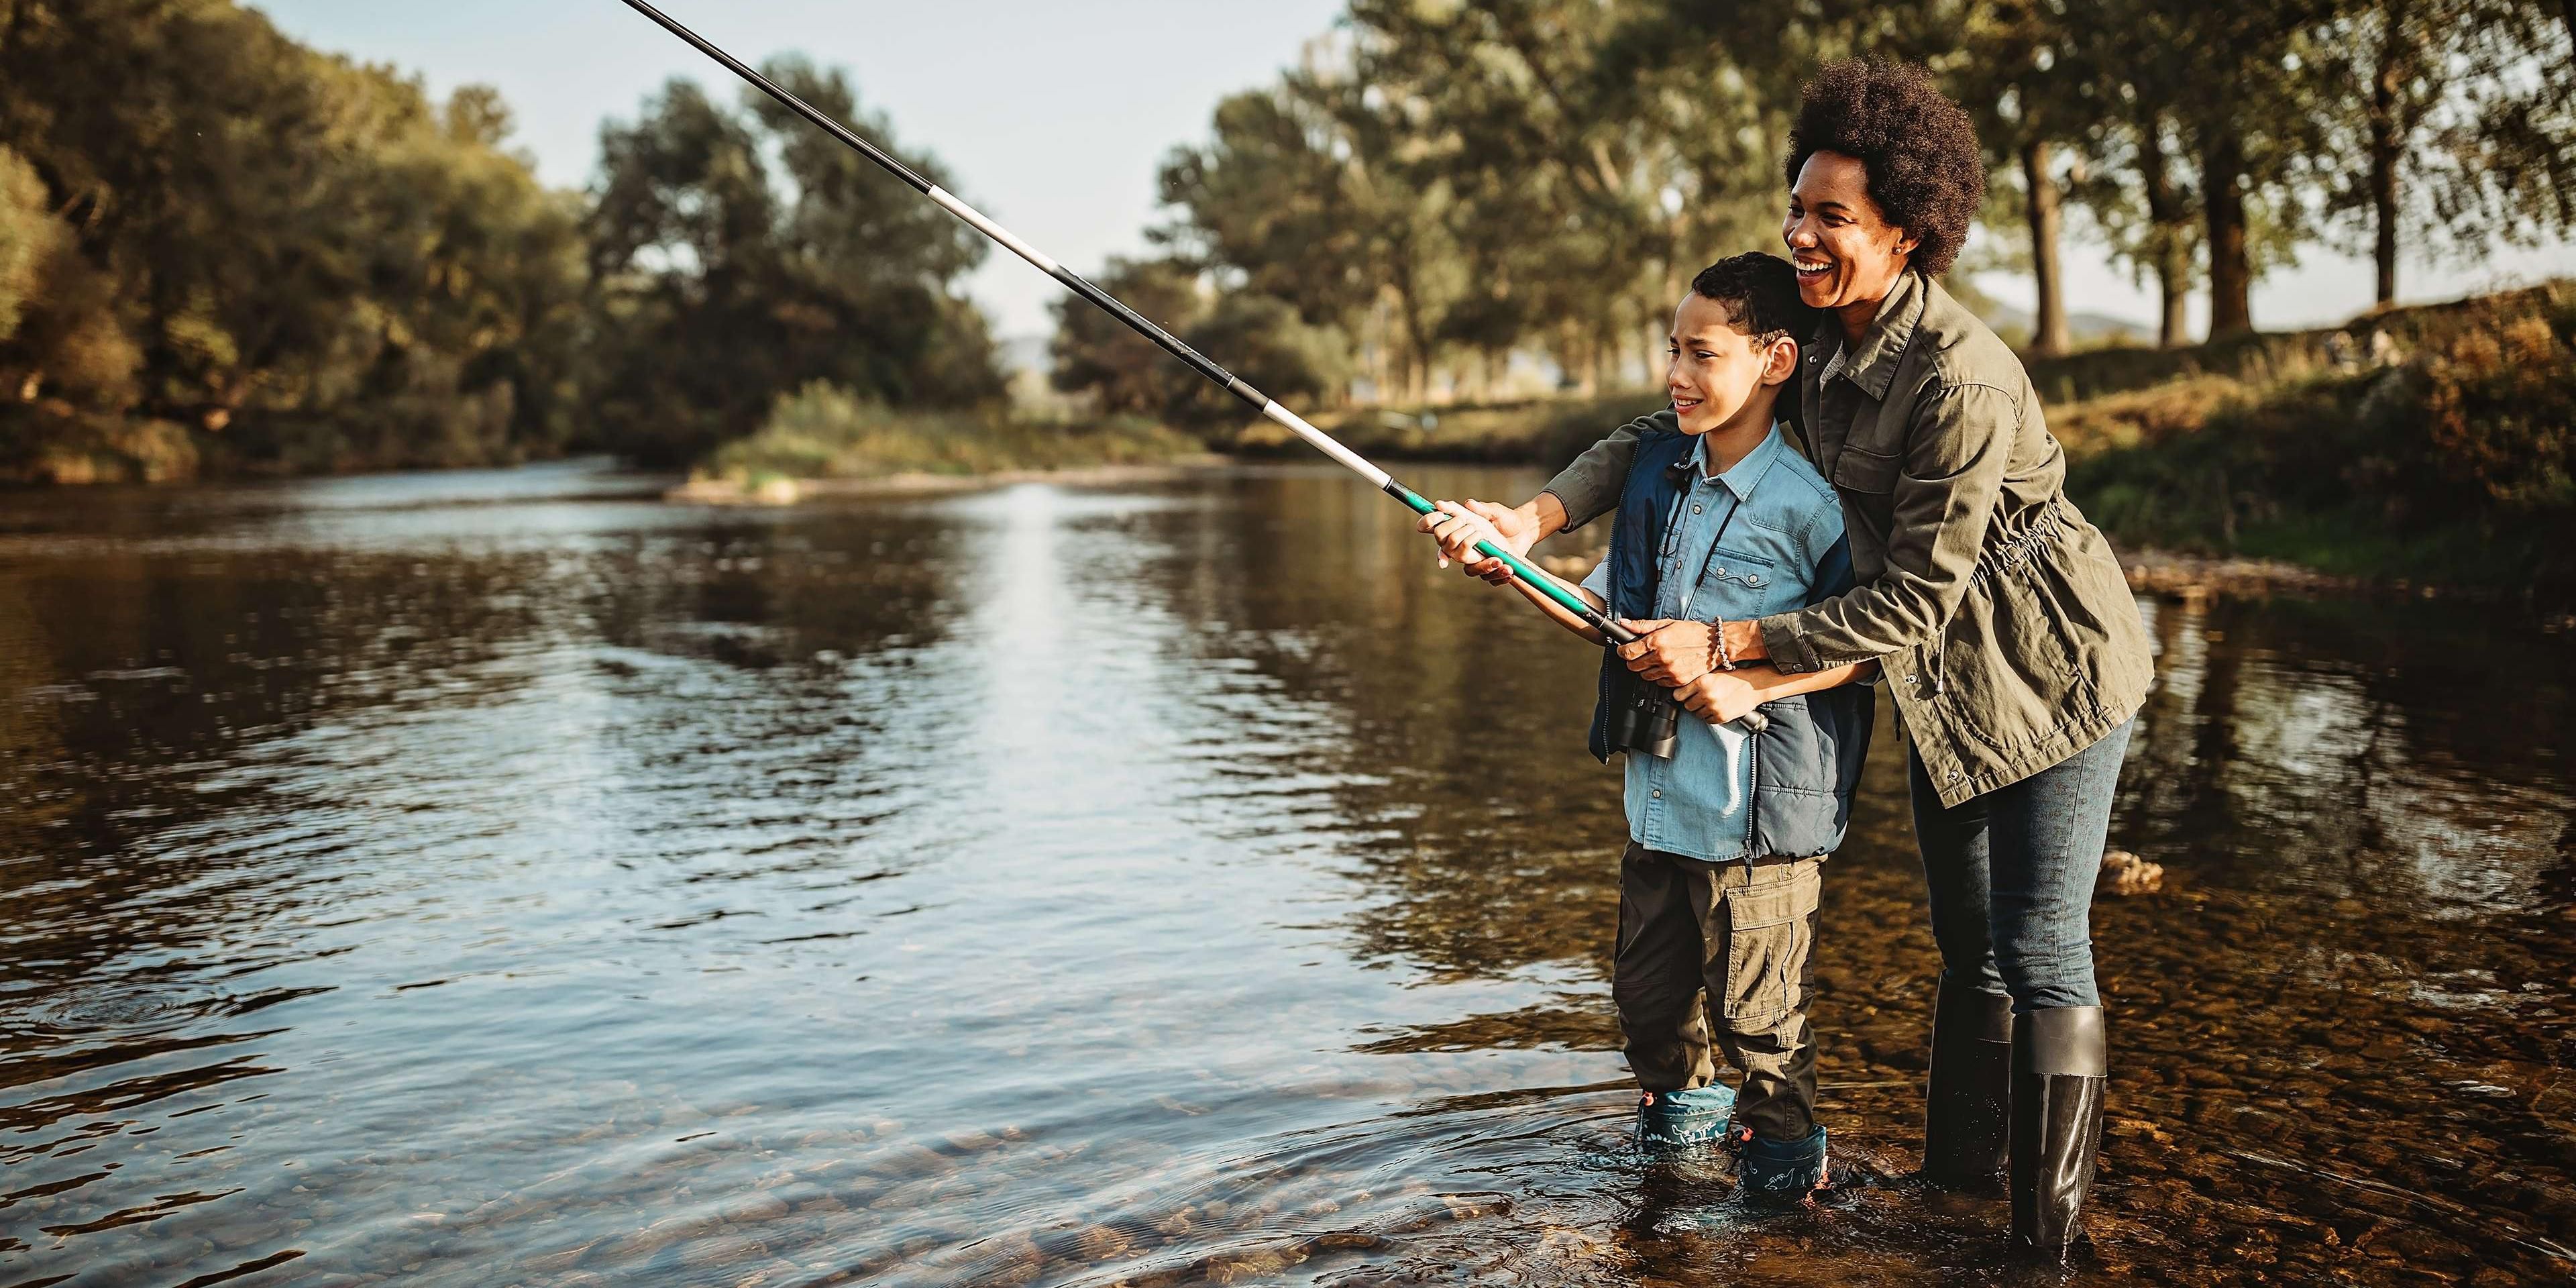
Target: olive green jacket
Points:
(2004, 628)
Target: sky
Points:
(1055, 116)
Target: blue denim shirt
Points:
(1747, 544)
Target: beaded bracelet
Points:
(1720, 658)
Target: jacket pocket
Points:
(1859, 469)
(1770, 943)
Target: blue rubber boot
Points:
(1772, 1173)
(1670, 1121)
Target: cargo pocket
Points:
(1770, 944)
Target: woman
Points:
(2006, 632)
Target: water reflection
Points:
(429, 880)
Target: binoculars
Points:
(1651, 721)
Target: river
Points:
(508, 878)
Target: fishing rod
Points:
(1141, 325)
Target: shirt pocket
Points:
(1751, 573)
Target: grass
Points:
(823, 432)
(2454, 464)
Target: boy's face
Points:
(1715, 367)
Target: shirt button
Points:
(1658, 793)
(1695, 509)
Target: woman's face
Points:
(1845, 251)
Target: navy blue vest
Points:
(1808, 763)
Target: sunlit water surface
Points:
(507, 878)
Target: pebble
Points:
(2124, 874)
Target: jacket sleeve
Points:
(1946, 486)
(1589, 488)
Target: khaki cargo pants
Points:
(1745, 935)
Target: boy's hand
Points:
(1459, 526)
(1719, 696)
(1672, 653)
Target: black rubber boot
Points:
(2059, 1070)
(1967, 1104)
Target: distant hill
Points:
(2088, 330)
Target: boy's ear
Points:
(1780, 361)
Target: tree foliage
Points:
(1265, 339)
(737, 253)
(1447, 183)
(287, 260)
(304, 259)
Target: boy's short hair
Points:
(1760, 295)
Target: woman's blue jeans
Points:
(2011, 875)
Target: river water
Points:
(506, 878)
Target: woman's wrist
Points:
(1546, 516)
(1744, 642)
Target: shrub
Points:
(826, 431)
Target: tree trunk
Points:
(2049, 336)
(2231, 269)
(2171, 251)
(2385, 142)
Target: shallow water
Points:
(498, 879)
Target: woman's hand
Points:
(1672, 653)
(1458, 526)
(1719, 696)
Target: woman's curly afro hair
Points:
(1926, 171)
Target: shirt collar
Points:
(1747, 473)
(1872, 365)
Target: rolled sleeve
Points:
(1590, 486)
(1945, 495)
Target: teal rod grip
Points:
(1546, 585)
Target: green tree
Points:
(2022, 71)
(1259, 337)
(2443, 133)
(724, 278)
(302, 255)
(59, 333)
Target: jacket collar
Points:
(1872, 366)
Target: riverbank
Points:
(782, 490)
(822, 441)
(2424, 446)
(2430, 446)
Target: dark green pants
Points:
(1725, 949)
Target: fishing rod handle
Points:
(1751, 721)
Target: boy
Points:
(1718, 890)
